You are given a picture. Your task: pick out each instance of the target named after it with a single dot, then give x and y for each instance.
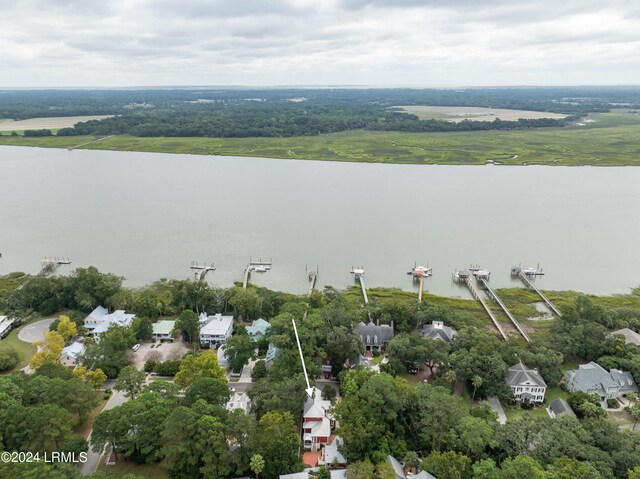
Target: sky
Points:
(431, 43)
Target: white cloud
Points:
(295, 42)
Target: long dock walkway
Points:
(358, 273)
(313, 277)
(89, 142)
(466, 277)
(529, 284)
(495, 297)
(421, 288)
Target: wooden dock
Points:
(358, 274)
(49, 265)
(421, 280)
(202, 270)
(466, 276)
(506, 311)
(517, 271)
(257, 266)
(313, 277)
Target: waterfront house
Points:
(438, 330)
(163, 330)
(629, 336)
(215, 330)
(70, 355)
(5, 326)
(592, 378)
(527, 384)
(99, 320)
(375, 336)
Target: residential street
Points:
(34, 332)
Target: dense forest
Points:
(427, 424)
(237, 112)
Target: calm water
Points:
(147, 216)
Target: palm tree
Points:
(476, 382)
(450, 376)
(257, 464)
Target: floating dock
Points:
(525, 275)
(419, 273)
(49, 265)
(358, 274)
(467, 277)
(491, 293)
(201, 271)
(257, 267)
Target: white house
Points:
(527, 384)
(317, 421)
(69, 355)
(215, 330)
(99, 320)
(5, 326)
(239, 401)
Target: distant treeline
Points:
(236, 112)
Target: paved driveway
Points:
(497, 407)
(34, 332)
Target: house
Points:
(258, 329)
(272, 354)
(296, 475)
(337, 474)
(163, 330)
(99, 320)
(239, 401)
(527, 384)
(331, 454)
(437, 330)
(70, 355)
(630, 336)
(5, 326)
(375, 336)
(593, 378)
(215, 330)
(317, 421)
(559, 407)
(398, 469)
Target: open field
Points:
(54, 122)
(612, 139)
(456, 114)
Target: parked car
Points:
(136, 347)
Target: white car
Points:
(136, 347)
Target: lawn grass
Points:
(25, 350)
(613, 139)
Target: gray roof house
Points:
(375, 336)
(630, 336)
(400, 474)
(437, 330)
(558, 407)
(527, 384)
(593, 378)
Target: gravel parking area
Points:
(167, 350)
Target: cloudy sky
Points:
(318, 42)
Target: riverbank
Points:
(603, 139)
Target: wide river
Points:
(147, 216)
